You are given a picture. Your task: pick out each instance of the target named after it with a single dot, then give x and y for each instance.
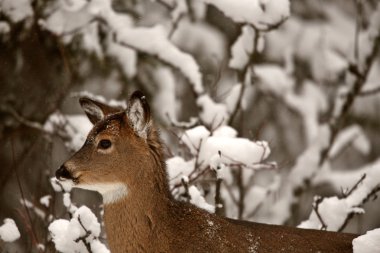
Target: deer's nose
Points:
(63, 173)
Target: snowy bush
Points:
(268, 108)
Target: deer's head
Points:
(121, 154)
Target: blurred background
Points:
(307, 83)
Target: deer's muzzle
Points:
(63, 173)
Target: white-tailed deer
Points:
(122, 159)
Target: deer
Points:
(123, 159)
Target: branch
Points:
(242, 74)
(84, 237)
(316, 204)
(369, 92)
(185, 184)
(355, 186)
(361, 78)
(32, 229)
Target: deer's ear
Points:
(138, 113)
(95, 110)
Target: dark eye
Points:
(104, 144)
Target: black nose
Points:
(62, 172)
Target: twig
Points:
(34, 235)
(186, 194)
(316, 204)
(242, 74)
(361, 78)
(175, 25)
(84, 237)
(22, 120)
(355, 186)
(359, 15)
(240, 185)
(218, 199)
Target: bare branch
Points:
(84, 237)
(316, 204)
(370, 92)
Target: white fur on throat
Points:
(111, 192)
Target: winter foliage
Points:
(268, 108)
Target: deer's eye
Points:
(104, 144)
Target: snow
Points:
(154, 41)
(334, 210)
(179, 9)
(90, 40)
(326, 64)
(111, 102)
(310, 102)
(38, 211)
(252, 11)
(274, 79)
(216, 162)
(178, 168)
(73, 129)
(242, 48)
(45, 200)
(66, 232)
(233, 98)
(194, 137)
(198, 200)
(126, 57)
(72, 5)
(351, 135)
(4, 27)
(233, 150)
(98, 247)
(200, 39)
(66, 199)
(9, 231)
(212, 114)
(149, 40)
(369, 242)
(16, 10)
(225, 131)
(164, 100)
(63, 22)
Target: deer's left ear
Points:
(138, 113)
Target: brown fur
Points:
(148, 219)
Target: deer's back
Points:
(199, 231)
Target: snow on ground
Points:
(9, 231)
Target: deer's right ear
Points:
(94, 110)
(139, 114)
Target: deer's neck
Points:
(136, 221)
